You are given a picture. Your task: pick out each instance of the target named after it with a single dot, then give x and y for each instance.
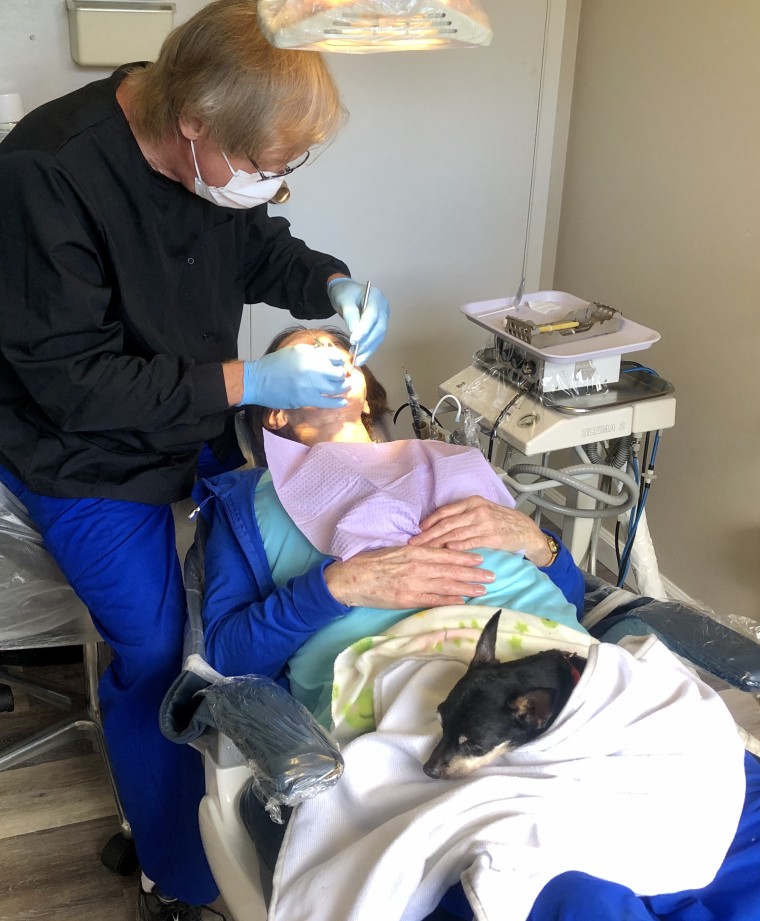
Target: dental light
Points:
(362, 26)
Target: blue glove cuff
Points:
(334, 280)
(249, 383)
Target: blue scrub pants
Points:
(121, 560)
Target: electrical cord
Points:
(630, 369)
(404, 405)
(645, 486)
(500, 418)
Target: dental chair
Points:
(185, 719)
(39, 611)
(711, 647)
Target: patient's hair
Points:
(377, 398)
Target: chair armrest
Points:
(703, 641)
(690, 633)
(291, 756)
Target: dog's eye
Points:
(472, 747)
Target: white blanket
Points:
(451, 631)
(640, 781)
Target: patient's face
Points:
(311, 424)
(357, 395)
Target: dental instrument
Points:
(355, 351)
(414, 405)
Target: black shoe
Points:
(151, 906)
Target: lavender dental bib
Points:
(348, 497)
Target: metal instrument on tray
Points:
(595, 320)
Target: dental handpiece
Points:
(414, 405)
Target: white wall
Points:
(660, 217)
(426, 192)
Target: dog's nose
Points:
(432, 769)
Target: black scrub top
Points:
(121, 293)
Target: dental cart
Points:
(555, 379)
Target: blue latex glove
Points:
(368, 329)
(298, 375)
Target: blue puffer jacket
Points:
(252, 626)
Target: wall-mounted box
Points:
(106, 33)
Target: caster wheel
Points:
(6, 699)
(119, 855)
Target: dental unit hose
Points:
(639, 549)
(614, 505)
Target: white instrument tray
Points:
(632, 337)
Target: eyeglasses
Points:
(291, 167)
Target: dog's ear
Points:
(485, 651)
(534, 708)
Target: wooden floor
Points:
(56, 813)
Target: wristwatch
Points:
(554, 547)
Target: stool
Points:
(39, 610)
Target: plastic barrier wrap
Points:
(37, 605)
(291, 756)
(725, 646)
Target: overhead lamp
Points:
(362, 26)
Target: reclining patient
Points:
(342, 538)
(290, 585)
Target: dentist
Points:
(135, 227)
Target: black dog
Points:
(498, 706)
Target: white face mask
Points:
(244, 190)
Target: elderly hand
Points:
(367, 328)
(476, 522)
(407, 577)
(295, 376)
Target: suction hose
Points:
(615, 504)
